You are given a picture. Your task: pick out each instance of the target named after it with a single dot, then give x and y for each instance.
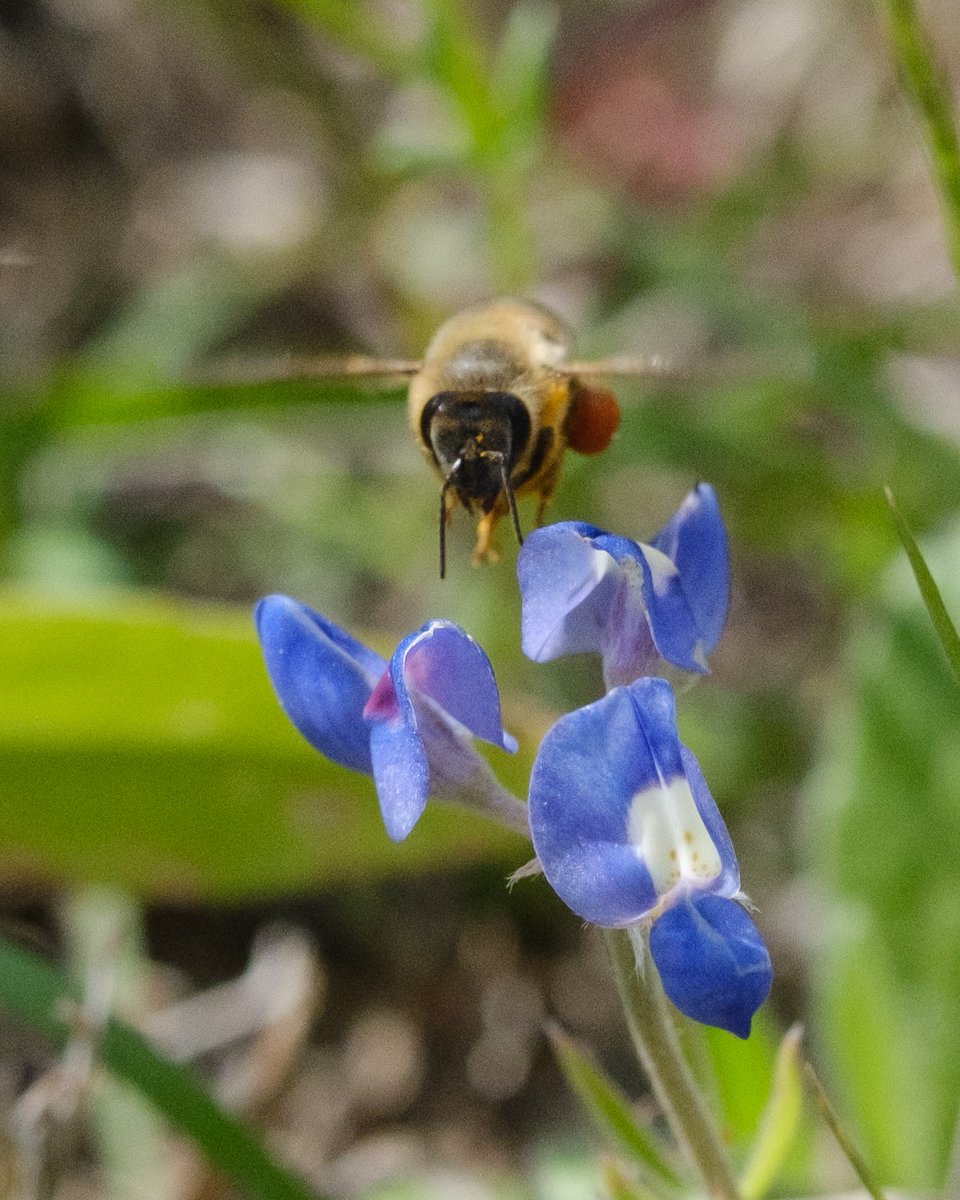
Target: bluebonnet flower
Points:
(627, 833)
(408, 723)
(643, 607)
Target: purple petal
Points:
(322, 678)
(695, 540)
(712, 961)
(585, 590)
(439, 689)
(616, 824)
(401, 772)
(567, 587)
(446, 664)
(650, 616)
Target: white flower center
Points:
(662, 570)
(668, 834)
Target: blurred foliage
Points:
(736, 186)
(97, 724)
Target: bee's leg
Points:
(484, 550)
(545, 493)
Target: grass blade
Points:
(609, 1108)
(942, 623)
(780, 1120)
(850, 1152)
(42, 996)
(927, 87)
(619, 1186)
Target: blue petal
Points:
(712, 961)
(401, 772)
(567, 588)
(650, 615)
(609, 801)
(322, 677)
(585, 590)
(417, 750)
(695, 540)
(446, 664)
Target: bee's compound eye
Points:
(592, 419)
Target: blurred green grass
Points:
(446, 160)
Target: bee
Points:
(494, 404)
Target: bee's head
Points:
(475, 438)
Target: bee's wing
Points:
(289, 366)
(643, 366)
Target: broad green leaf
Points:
(141, 745)
(742, 1072)
(40, 996)
(779, 1123)
(873, 1049)
(609, 1108)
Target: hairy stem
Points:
(655, 1040)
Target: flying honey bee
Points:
(494, 404)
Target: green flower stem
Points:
(928, 89)
(655, 1040)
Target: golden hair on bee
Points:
(494, 404)
(493, 408)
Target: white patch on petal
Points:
(602, 564)
(668, 834)
(662, 569)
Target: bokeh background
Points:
(737, 185)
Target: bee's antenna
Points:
(508, 488)
(447, 484)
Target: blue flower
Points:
(408, 723)
(627, 832)
(639, 606)
(712, 961)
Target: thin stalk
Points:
(655, 1040)
(930, 92)
(844, 1141)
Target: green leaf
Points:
(456, 59)
(942, 623)
(350, 25)
(875, 1059)
(41, 996)
(609, 1108)
(742, 1072)
(779, 1123)
(141, 745)
(883, 832)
